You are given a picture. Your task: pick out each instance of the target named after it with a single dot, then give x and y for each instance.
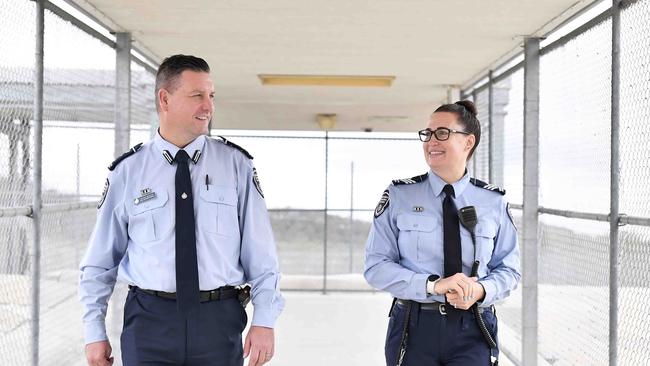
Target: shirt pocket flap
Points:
(416, 222)
(486, 230)
(222, 195)
(158, 201)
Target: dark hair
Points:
(171, 69)
(465, 111)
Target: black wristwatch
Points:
(431, 279)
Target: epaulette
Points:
(234, 145)
(131, 151)
(490, 187)
(416, 179)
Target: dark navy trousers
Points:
(155, 333)
(439, 340)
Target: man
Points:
(183, 220)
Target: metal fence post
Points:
(490, 128)
(614, 187)
(37, 179)
(530, 202)
(122, 92)
(474, 165)
(325, 215)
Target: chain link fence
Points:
(322, 212)
(16, 105)
(634, 310)
(574, 168)
(574, 135)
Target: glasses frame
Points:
(425, 135)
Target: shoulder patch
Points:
(512, 219)
(256, 182)
(104, 192)
(383, 204)
(131, 151)
(413, 180)
(490, 187)
(235, 146)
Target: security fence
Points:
(591, 291)
(321, 188)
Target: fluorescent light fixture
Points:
(327, 80)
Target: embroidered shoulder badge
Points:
(104, 193)
(256, 182)
(383, 204)
(512, 218)
(235, 146)
(490, 187)
(413, 180)
(131, 151)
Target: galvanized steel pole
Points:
(490, 127)
(530, 202)
(614, 187)
(122, 92)
(37, 180)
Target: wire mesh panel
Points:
(360, 167)
(17, 43)
(482, 152)
(574, 128)
(634, 291)
(79, 96)
(634, 296)
(573, 291)
(508, 148)
(143, 103)
(635, 110)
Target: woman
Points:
(421, 250)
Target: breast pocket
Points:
(485, 233)
(218, 214)
(417, 235)
(150, 220)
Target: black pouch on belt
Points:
(244, 295)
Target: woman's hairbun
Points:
(469, 105)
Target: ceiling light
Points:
(327, 80)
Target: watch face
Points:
(433, 278)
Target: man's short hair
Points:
(171, 69)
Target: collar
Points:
(169, 150)
(437, 184)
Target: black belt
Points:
(221, 293)
(441, 307)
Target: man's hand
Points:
(99, 354)
(458, 283)
(476, 291)
(259, 345)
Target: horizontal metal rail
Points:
(64, 207)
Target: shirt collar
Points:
(437, 184)
(168, 150)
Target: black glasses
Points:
(441, 133)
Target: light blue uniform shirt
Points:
(405, 244)
(134, 237)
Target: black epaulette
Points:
(131, 151)
(234, 145)
(417, 179)
(490, 187)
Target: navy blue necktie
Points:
(187, 272)
(452, 248)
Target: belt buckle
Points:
(442, 309)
